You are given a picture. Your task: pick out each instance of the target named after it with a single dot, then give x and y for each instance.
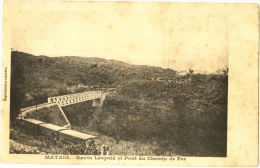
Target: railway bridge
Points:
(97, 97)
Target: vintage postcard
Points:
(130, 83)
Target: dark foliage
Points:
(45, 76)
(17, 94)
(186, 116)
(191, 121)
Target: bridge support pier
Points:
(97, 102)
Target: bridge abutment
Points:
(97, 103)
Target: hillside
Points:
(50, 114)
(186, 115)
(182, 118)
(53, 76)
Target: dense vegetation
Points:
(17, 93)
(44, 76)
(181, 118)
(186, 115)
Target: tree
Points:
(191, 71)
(37, 91)
(225, 71)
(17, 82)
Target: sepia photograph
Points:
(71, 94)
(102, 80)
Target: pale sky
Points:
(176, 36)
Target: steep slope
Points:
(52, 76)
(88, 71)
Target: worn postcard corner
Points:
(130, 83)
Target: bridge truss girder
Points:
(75, 98)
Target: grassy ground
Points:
(123, 147)
(23, 143)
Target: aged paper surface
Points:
(200, 108)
